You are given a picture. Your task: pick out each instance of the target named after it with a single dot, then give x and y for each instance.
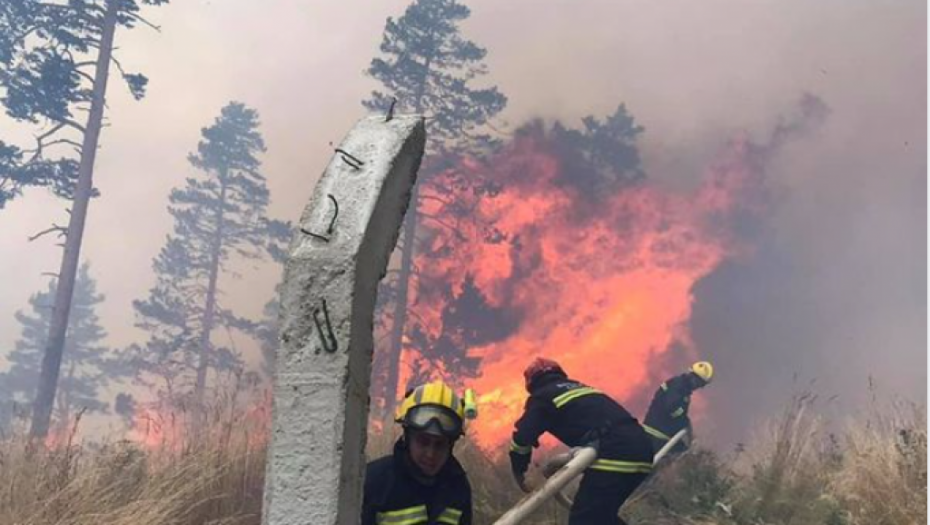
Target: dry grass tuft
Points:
(883, 478)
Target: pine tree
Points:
(218, 215)
(428, 67)
(602, 157)
(88, 366)
(55, 60)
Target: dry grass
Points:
(794, 473)
(883, 479)
(165, 475)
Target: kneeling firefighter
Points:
(577, 415)
(422, 482)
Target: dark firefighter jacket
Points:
(668, 412)
(576, 414)
(394, 495)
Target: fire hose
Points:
(561, 470)
(557, 461)
(579, 459)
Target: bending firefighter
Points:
(668, 412)
(422, 482)
(578, 415)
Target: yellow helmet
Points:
(704, 370)
(434, 408)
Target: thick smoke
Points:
(845, 323)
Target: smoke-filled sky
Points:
(835, 290)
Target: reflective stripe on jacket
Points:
(394, 496)
(576, 414)
(668, 411)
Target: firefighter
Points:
(421, 482)
(578, 415)
(668, 412)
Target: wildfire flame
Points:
(603, 284)
(527, 262)
(157, 428)
(165, 427)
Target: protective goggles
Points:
(436, 418)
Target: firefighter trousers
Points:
(600, 496)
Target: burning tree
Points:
(602, 157)
(55, 60)
(428, 68)
(585, 261)
(452, 317)
(88, 365)
(218, 215)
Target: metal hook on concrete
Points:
(350, 159)
(390, 113)
(328, 340)
(314, 235)
(332, 222)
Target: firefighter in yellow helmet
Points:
(422, 482)
(668, 412)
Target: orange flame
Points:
(164, 427)
(604, 286)
(155, 429)
(60, 436)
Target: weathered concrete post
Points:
(338, 255)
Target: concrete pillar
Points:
(339, 253)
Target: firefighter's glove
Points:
(519, 464)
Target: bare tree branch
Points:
(75, 125)
(77, 145)
(119, 66)
(50, 132)
(138, 18)
(84, 75)
(454, 229)
(41, 144)
(62, 231)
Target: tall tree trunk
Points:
(406, 270)
(64, 400)
(51, 361)
(209, 309)
(400, 305)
